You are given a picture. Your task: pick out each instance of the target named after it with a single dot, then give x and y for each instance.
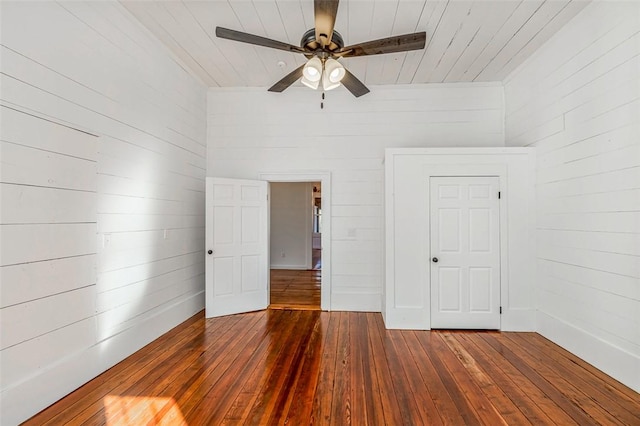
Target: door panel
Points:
(479, 230)
(237, 276)
(223, 225)
(250, 273)
(479, 289)
(449, 220)
(222, 276)
(465, 240)
(449, 289)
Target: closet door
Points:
(465, 252)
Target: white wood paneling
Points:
(253, 132)
(467, 40)
(102, 182)
(36, 204)
(577, 101)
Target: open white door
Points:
(237, 241)
(465, 252)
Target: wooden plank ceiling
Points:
(467, 40)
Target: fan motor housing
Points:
(308, 41)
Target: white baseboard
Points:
(617, 363)
(356, 302)
(418, 319)
(27, 398)
(518, 320)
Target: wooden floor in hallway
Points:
(309, 367)
(295, 289)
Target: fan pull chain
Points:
(322, 102)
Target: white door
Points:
(465, 252)
(237, 246)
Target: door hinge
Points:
(498, 195)
(500, 310)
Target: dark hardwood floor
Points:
(299, 367)
(295, 289)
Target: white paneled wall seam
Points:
(577, 100)
(102, 214)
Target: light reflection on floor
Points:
(142, 410)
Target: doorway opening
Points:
(295, 245)
(324, 178)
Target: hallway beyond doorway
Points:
(295, 289)
(316, 259)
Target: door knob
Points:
(435, 260)
(210, 252)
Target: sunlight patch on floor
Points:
(142, 410)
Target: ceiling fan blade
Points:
(257, 40)
(401, 43)
(355, 86)
(325, 12)
(288, 80)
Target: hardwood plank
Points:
(523, 383)
(574, 411)
(507, 409)
(370, 385)
(205, 374)
(157, 379)
(278, 371)
(288, 380)
(486, 412)
(390, 406)
(321, 410)
(341, 407)
(301, 401)
(295, 289)
(259, 375)
(423, 407)
(569, 388)
(409, 409)
(517, 392)
(356, 375)
(432, 382)
(460, 403)
(220, 399)
(298, 367)
(251, 337)
(611, 402)
(627, 396)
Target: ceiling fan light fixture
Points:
(322, 45)
(327, 84)
(334, 70)
(310, 84)
(312, 70)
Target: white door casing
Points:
(465, 252)
(237, 241)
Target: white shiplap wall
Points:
(578, 101)
(102, 180)
(252, 131)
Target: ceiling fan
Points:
(323, 46)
